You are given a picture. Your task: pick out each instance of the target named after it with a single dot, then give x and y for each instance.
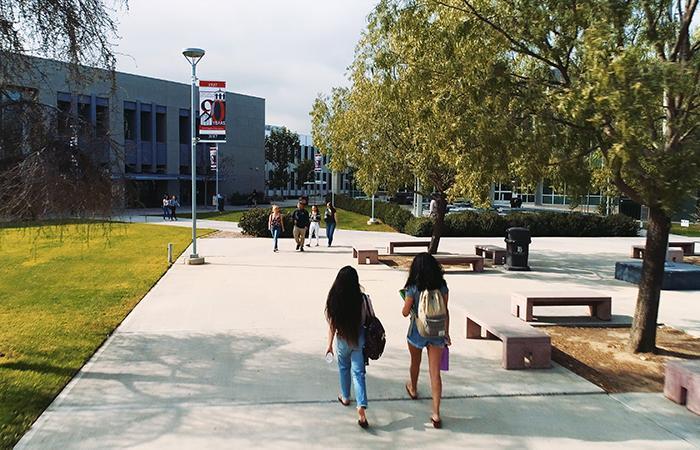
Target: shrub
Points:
(254, 223)
(392, 215)
(541, 223)
(419, 227)
(620, 225)
(462, 224)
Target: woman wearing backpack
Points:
(426, 283)
(346, 310)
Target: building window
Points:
(145, 125)
(65, 116)
(552, 197)
(102, 118)
(525, 195)
(161, 127)
(129, 124)
(184, 129)
(502, 192)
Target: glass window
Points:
(145, 125)
(161, 127)
(129, 124)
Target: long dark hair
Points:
(344, 305)
(425, 273)
(330, 206)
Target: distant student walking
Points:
(166, 207)
(301, 223)
(315, 228)
(346, 310)
(275, 224)
(331, 222)
(425, 300)
(174, 205)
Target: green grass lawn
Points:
(692, 231)
(63, 290)
(347, 220)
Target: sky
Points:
(286, 51)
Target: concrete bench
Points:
(687, 247)
(395, 244)
(672, 254)
(366, 255)
(477, 262)
(682, 383)
(523, 346)
(521, 303)
(493, 252)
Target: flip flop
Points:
(436, 423)
(362, 424)
(340, 399)
(408, 391)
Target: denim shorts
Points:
(415, 339)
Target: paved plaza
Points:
(231, 355)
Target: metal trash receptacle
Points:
(517, 248)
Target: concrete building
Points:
(148, 121)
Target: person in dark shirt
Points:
(301, 223)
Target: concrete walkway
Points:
(231, 355)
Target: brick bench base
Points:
(523, 346)
(682, 383)
(363, 256)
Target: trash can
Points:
(517, 248)
(220, 203)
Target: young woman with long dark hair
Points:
(346, 309)
(426, 274)
(331, 222)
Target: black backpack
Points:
(375, 338)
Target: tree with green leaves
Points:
(416, 110)
(305, 172)
(615, 82)
(281, 148)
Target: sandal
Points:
(362, 424)
(340, 399)
(408, 391)
(436, 423)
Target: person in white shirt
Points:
(315, 227)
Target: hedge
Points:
(389, 213)
(542, 223)
(254, 223)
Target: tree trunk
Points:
(438, 223)
(643, 334)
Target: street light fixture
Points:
(193, 56)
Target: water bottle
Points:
(329, 357)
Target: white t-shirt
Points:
(433, 207)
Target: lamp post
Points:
(193, 56)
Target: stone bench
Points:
(672, 254)
(477, 262)
(522, 303)
(687, 247)
(395, 244)
(363, 256)
(493, 252)
(682, 383)
(523, 346)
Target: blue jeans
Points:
(330, 229)
(276, 231)
(351, 364)
(166, 212)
